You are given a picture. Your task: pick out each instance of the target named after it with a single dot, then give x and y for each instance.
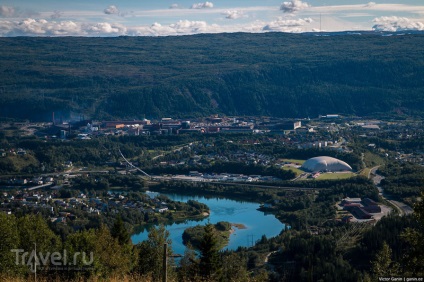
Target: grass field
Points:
(295, 170)
(300, 162)
(365, 172)
(18, 163)
(372, 159)
(330, 176)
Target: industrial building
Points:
(361, 208)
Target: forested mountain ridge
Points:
(277, 74)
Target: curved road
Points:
(403, 208)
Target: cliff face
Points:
(274, 74)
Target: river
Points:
(257, 223)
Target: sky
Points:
(181, 17)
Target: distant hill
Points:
(277, 74)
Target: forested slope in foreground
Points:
(277, 74)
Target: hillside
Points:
(285, 75)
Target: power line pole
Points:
(165, 262)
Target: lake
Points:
(221, 209)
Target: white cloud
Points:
(37, 27)
(202, 5)
(293, 6)
(285, 25)
(185, 27)
(182, 27)
(190, 26)
(111, 10)
(41, 27)
(106, 28)
(396, 24)
(50, 27)
(6, 11)
(233, 14)
(369, 4)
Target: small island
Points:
(223, 229)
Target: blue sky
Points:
(161, 18)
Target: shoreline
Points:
(235, 226)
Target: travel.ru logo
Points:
(56, 260)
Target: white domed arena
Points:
(325, 164)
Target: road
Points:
(175, 150)
(402, 208)
(268, 255)
(249, 184)
(40, 186)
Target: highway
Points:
(249, 184)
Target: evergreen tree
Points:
(209, 252)
(99, 253)
(119, 231)
(383, 266)
(9, 240)
(234, 268)
(34, 230)
(150, 258)
(415, 237)
(189, 267)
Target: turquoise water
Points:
(257, 223)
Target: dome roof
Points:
(325, 164)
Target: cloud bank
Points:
(396, 24)
(42, 27)
(182, 27)
(285, 25)
(295, 16)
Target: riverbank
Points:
(238, 226)
(247, 222)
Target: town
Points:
(311, 178)
(242, 135)
(330, 131)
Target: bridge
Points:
(133, 166)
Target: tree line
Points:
(104, 253)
